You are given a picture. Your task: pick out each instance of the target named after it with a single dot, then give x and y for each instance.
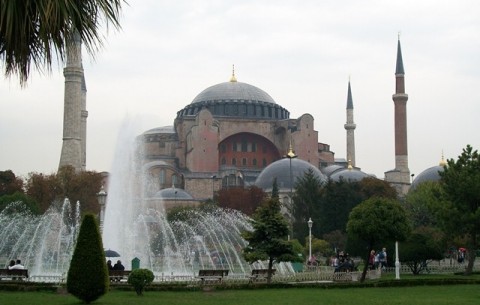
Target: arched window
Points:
(254, 162)
(234, 161)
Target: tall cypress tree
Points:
(88, 274)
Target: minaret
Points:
(400, 176)
(72, 153)
(350, 128)
(84, 123)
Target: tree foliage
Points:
(377, 220)
(246, 200)
(139, 279)
(77, 186)
(268, 240)
(305, 204)
(30, 204)
(423, 202)
(87, 277)
(420, 248)
(461, 214)
(9, 183)
(36, 31)
(337, 201)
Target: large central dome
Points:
(235, 99)
(233, 92)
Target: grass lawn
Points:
(434, 295)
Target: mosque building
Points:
(234, 134)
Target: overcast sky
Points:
(302, 53)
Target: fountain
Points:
(201, 240)
(44, 243)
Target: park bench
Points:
(260, 274)
(212, 275)
(118, 275)
(14, 274)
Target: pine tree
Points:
(88, 275)
(268, 240)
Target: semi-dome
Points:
(235, 99)
(349, 175)
(173, 194)
(281, 171)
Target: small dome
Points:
(350, 175)
(329, 170)
(173, 193)
(430, 174)
(281, 170)
(164, 129)
(233, 91)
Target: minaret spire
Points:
(350, 128)
(400, 176)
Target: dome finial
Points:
(443, 162)
(291, 154)
(233, 79)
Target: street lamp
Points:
(310, 224)
(397, 262)
(291, 155)
(102, 199)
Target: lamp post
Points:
(310, 224)
(102, 199)
(291, 155)
(397, 262)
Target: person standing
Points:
(371, 260)
(382, 258)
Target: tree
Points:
(461, 214)
(30, 204)
(423, 202)
(245, 200)
(77, 186)
(306, 204)
(338, 200)
(373, 187)
(268, 240)
(419, 248)
(377, 220)
(9, 183)
(140, 278)
(87, 277)
(36, 31)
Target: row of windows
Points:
(243, 146)
(244, 162)
(240, 109)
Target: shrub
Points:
(88, 275)
(139, 279)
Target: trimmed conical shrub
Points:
(88, 274)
